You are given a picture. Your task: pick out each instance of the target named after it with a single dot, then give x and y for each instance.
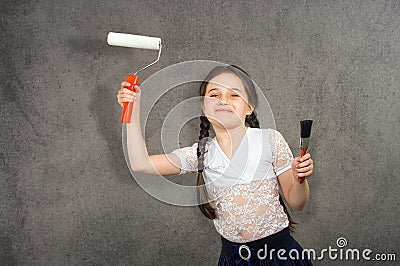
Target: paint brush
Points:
(305, 126)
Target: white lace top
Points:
(244, 189)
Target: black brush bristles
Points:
(305, 126)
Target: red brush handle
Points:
(303, 152)
(128, 106)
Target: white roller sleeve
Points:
(133, 41)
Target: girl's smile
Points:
(224, 110)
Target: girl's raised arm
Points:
(286, 168)
(139, 159)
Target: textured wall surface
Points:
(66, 194)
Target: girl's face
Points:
(225, 102)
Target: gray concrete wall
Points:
(67, 196)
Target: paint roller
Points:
(133, 41)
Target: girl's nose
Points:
(222, 102)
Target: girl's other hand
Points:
(303, 166)
(126, 95)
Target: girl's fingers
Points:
(122, 97)
(127, 100)
(305, 163)
(125, 84)
(304, 169)
(126, 95)
(306, 174)
(305, 157)
(126, 90)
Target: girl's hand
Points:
(126, 95)
(302, 167)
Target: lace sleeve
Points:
(282, 156)
(188, 158)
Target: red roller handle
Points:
(128, 106)
(303, 152)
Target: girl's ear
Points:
(250, 110)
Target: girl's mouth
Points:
(224, 110)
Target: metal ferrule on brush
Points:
(304, 143)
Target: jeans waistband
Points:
(279, 240)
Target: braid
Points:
(204, 127)
(252, 121)
(202, 195)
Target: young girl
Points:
(239, 171)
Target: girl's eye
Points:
(216, 95)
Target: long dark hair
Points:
(251, 121)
